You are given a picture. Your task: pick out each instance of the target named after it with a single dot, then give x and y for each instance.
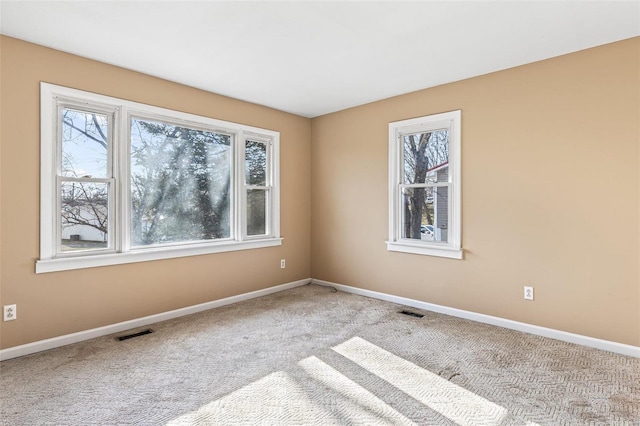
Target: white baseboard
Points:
(67, 339)
(564, 336)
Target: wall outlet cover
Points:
(9, 312)
(528, 293)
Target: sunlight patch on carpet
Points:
(274, 399)
(282, 399)
(450, 400)
(358, 405)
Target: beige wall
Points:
(551, 198)
(59, 303)
(550, 195)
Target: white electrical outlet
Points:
(9, 312)
(528, 292)
(282, 263)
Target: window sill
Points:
(81, 262)
(431, 250)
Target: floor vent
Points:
(411, 314)
(131, 336)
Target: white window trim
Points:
(272, 185)
(451, 249)
(51, 261)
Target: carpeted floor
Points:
(314, 356)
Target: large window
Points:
(125, 182)
(424, 185)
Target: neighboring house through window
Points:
(424, 185)
(125, 182)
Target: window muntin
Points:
(111, 170)
(424, 185)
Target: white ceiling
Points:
(315, 57)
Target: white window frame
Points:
(269, 187)
(452, 248)
(120, 251)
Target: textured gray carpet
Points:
(313, 356)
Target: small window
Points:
(258, 186)
(424, 185)
(126, 182)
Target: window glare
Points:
(256, 212)
(180, 183)
(256, 163)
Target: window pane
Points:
(84, 144)
(256, 163)
(180, 183)
(85, 208)
(425, 213)
(424, 155)
(256, 212)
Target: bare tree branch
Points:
(84, 132)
